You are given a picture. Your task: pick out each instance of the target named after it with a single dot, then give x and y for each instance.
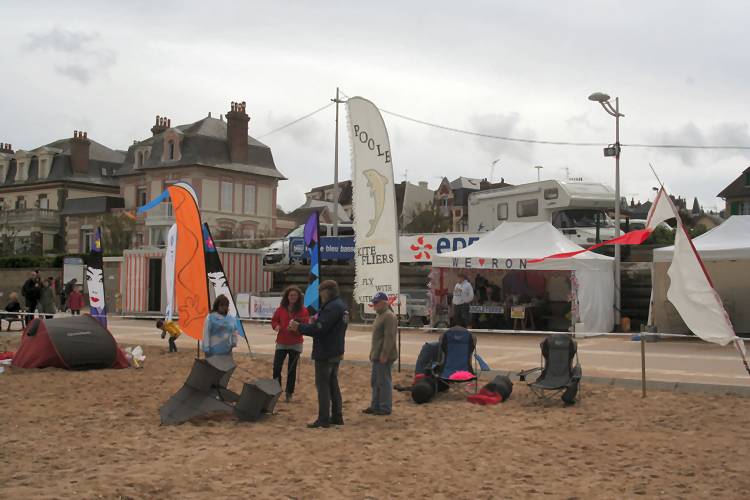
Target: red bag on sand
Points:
(485, 397)
(7, 355)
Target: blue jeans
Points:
(382, 385)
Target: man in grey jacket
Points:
(383, 353)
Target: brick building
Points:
(233, 174)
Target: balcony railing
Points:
(30, 216)
(160, 215)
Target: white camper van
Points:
(575, 208)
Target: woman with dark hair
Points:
(219, 330)
(288, 343)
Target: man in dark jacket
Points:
(327, 331)
(32, 292)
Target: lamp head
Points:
(599, 97)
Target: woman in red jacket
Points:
(288, 343)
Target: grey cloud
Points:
(507, 125)
(60, 40)
(75, 71)
(83, 55)
(583, 122)
(722, 134)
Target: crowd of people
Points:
(42, 296)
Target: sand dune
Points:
(97, 435)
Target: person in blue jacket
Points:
(327, 331)
(219, 331)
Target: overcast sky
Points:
(524, 69)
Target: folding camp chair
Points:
(457, 354)
(561, 370)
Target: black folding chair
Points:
(561, 371)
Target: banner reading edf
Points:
(374, 203)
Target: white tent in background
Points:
(725, 251)
(513, 244)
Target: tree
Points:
(117, 233)
(427, 219)
(7, 240)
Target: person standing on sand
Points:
(383, 352)
(288, 343)
(328, 331)
(219, 330)
(463, 294)
(31, 292)
(75, 301)
(47, 299)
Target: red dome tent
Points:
(74, 343)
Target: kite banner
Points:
(692, 294)
(169, 261)
(312, 242)
(95, 279)
(217, 278)
(190, 284)
(374, 203)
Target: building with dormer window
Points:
(35, 185)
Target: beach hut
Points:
(725, 251)
(585, 281)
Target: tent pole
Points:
(398, 328)
(643, 364)
(740, 349)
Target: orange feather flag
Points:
(190, 284)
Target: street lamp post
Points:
(605, 102)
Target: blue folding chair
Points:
(457, 354)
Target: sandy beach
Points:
(97, 435)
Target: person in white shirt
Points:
(463, 295)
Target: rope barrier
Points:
(425, 329)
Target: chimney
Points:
(162, 124)
(6, 148)
(237, 120)
(423, 184)
(79, 152)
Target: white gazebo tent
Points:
(725, 251)
(513, 244)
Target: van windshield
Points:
(580, 218)
(298, 232)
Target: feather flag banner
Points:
(169, 262)
(312, 242)
(95, 279)
(217, 278)
(376, 259)
(190, 284)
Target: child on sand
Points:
(171, 328)
(75, 301)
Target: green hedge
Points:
(34, 261)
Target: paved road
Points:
(672, 361)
